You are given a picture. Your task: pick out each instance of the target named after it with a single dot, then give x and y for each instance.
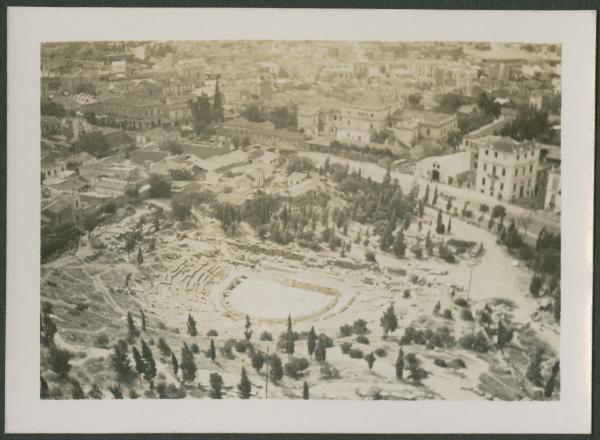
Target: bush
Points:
(102, 341)
(360, 327)
(355, 353)
(295, 367)
(457, 363)
(362, 339)
(328, 372)
(441, 337)
(466, 315)
(475, 342)
(195, 348)
(447, 314)
(345, 330)
(440, 362)
(160, 186)
(345, 347)
(242, 345)
(498, 211)
(227, 350)
(109, 207)
(536, 285)
(380, 352)
(406, 293)
(212, 333)
(370, 257)
(461, 302)
(266, 336)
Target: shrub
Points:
(536, 285)
(457, 363)
(406, 293)
(345, 347)
(355, 353)
(440, 362)
(195, 349)
(362, 339)
(266, 336)
(360, 327)
(212, 332)
(328, 372)
(461, 302)
(380, 352)
(466, 315)
(447, 314)
(370, 257)
(295, 367)
(227, 349)
(102, 341)
(242, 345)
(345, 330)
(475, 342)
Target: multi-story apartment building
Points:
(356, 123)
(505, 168)
(553, 193)
(308, 120)
(143, 113)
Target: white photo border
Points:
(29, 27)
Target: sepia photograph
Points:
(352, 219)
(300, 220)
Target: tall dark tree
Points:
(245, 386)
(426, 196)
(191, 326)
(449, 227)
(133, 331)
(217, 107)
(137, 359)
(149, 364)
(216, 384)
(275, 368)
(116, 391)
(164, 348)
(289, 346)
(143, 315)
(399, 244)
(174, 364)
(534, 373)
(370, 358)
(320, 351)
(312, 341)
(121, 362)
(435, 196)
(59, 361)
(188, 364)
(248, 328)
(140, 257)
(212, 352)
(305, 391)
(389, 321)
(400, 364)
(258, 360)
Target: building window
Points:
(483, 180)
(484, 167)
(486, 152)
(516, 172)
(501, 186)
(531, 168)
(495, 154)
(503, 171)
(494, 170)
(518, 157)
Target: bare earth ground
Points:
(198, 270)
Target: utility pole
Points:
(267, 376)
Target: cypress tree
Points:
(370, 358)
(289, 347)
(212, 353)
(258, 360)
(120, 361)
(305, 391)
(549, 388)
(116, 391)
(139, 362)
(174, 364)
(312, 341)
(400, 364)
(320, 351)
(191, 326)
(76, 390)
(188, 365)
(244, 387)
(164, 348)
(426, 196)
(435, 197)
(248, 328)
(149, 364)
(140, 257)
(143, 315)
(133, 331)
(276, 369)
(389, 321)
(59, 361)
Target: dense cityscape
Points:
(300, 220)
